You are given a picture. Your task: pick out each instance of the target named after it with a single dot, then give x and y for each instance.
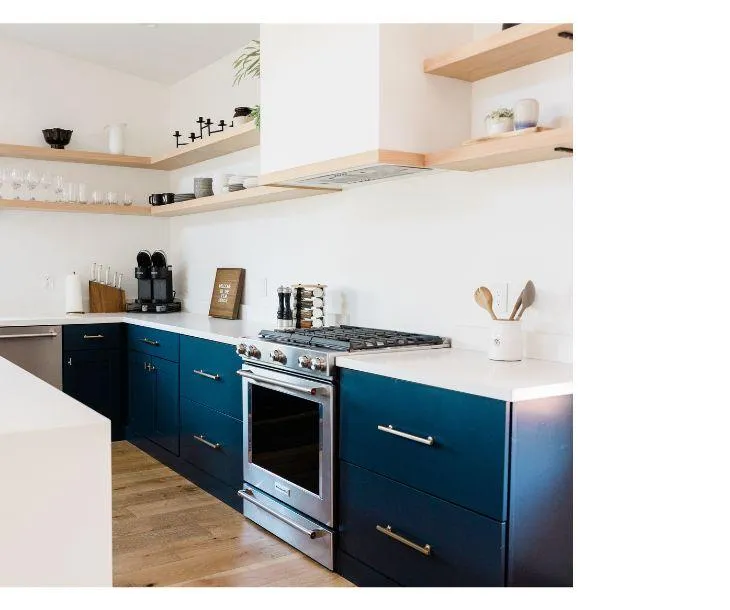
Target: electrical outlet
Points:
(499, 296)
(47, 282)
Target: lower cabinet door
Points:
(166, 421)
(212, 441)
(141, 392)
(414, 538)
(94, 378)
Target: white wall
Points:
(45, 89)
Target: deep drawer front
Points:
(464, 465)
(92, 336)
(212, 441)
(154, 342)
(208, 375)
(464, 549)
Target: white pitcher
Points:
(115, 136)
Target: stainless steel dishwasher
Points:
(37, 349)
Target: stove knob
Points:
(253, 352)
(304, 361)
(242, 349)
(278, 356)
(318, 364)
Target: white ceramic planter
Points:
(506, 340)
(501, 125)
(526, 114)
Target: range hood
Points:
(371, 166)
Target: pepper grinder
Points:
(280, 311)
(288, 317)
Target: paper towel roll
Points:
(74, 300)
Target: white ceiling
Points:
(164, 54)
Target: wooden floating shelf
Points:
(252, 196)
(228, 141)
(503, 152)
(81, 208)
(217, 145)
(512, 48)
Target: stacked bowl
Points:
(203, 187)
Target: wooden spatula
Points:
(484, 299)
(528, 298)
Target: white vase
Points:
(526, 113)
(115, 138)
(499, 125)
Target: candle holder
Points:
(178, 135)
(193, 137)
(221, 124)
(201, 124)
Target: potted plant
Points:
(500, 120)
(248, 65)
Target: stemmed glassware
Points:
(17, 178)
(58, 187)
(3, 179)
(45, 183)
(31, 182)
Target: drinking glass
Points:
(17, 177)
(45, 182)
(97, 197)
(58, 187)
(127, 199)
(31, 181)
(3, 179)
(82, 192)
(71, 193)
(112, 198)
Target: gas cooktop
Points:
(350, 338)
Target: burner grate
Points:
(349, 338)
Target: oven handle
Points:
(246, 374)
(247, 495)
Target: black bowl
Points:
(57, 137)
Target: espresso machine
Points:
(154, 284)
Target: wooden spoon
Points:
(484, 299)
(528, 297)
(517, 306)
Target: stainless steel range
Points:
(290, 396)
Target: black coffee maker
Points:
(154, 284)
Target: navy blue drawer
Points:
(212, 441)
(92, 336)
(208, 375)
(465, 549)
(154, 342)
(466, 464)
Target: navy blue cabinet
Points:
(442, 488)
(93, 370)
(154, 400)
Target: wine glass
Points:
(3, 179)
(45, 183)
(127, 199)
(17, 177)
(31, 182)
(58, 187)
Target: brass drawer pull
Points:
(201, 438)
(150, 342)
(215, 377)
(93, 336)
(388, 531)
(391, 430)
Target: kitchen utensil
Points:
(484, 299)
(57, 137)
(528, 298)
(516, 308)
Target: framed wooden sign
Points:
(227, 293)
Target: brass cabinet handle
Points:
(391, 430)
(247, 495)
(388, 531)
(150, 342)
(201, 438)
(93, 336)
(215, 377)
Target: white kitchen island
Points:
(55, 486)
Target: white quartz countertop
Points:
(28, 404)
(469, 371)
(191, 324)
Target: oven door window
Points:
(285, 436)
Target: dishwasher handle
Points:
(29, 335)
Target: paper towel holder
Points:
(74, 298)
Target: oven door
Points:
(288, 440)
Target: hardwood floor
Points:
(168, 532)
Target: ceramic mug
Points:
(506, 340)
(155, 199)
(168, 198)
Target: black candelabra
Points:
(203, 124)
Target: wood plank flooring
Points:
(169, 532)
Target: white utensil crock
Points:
(115, 135)
(506, 340)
